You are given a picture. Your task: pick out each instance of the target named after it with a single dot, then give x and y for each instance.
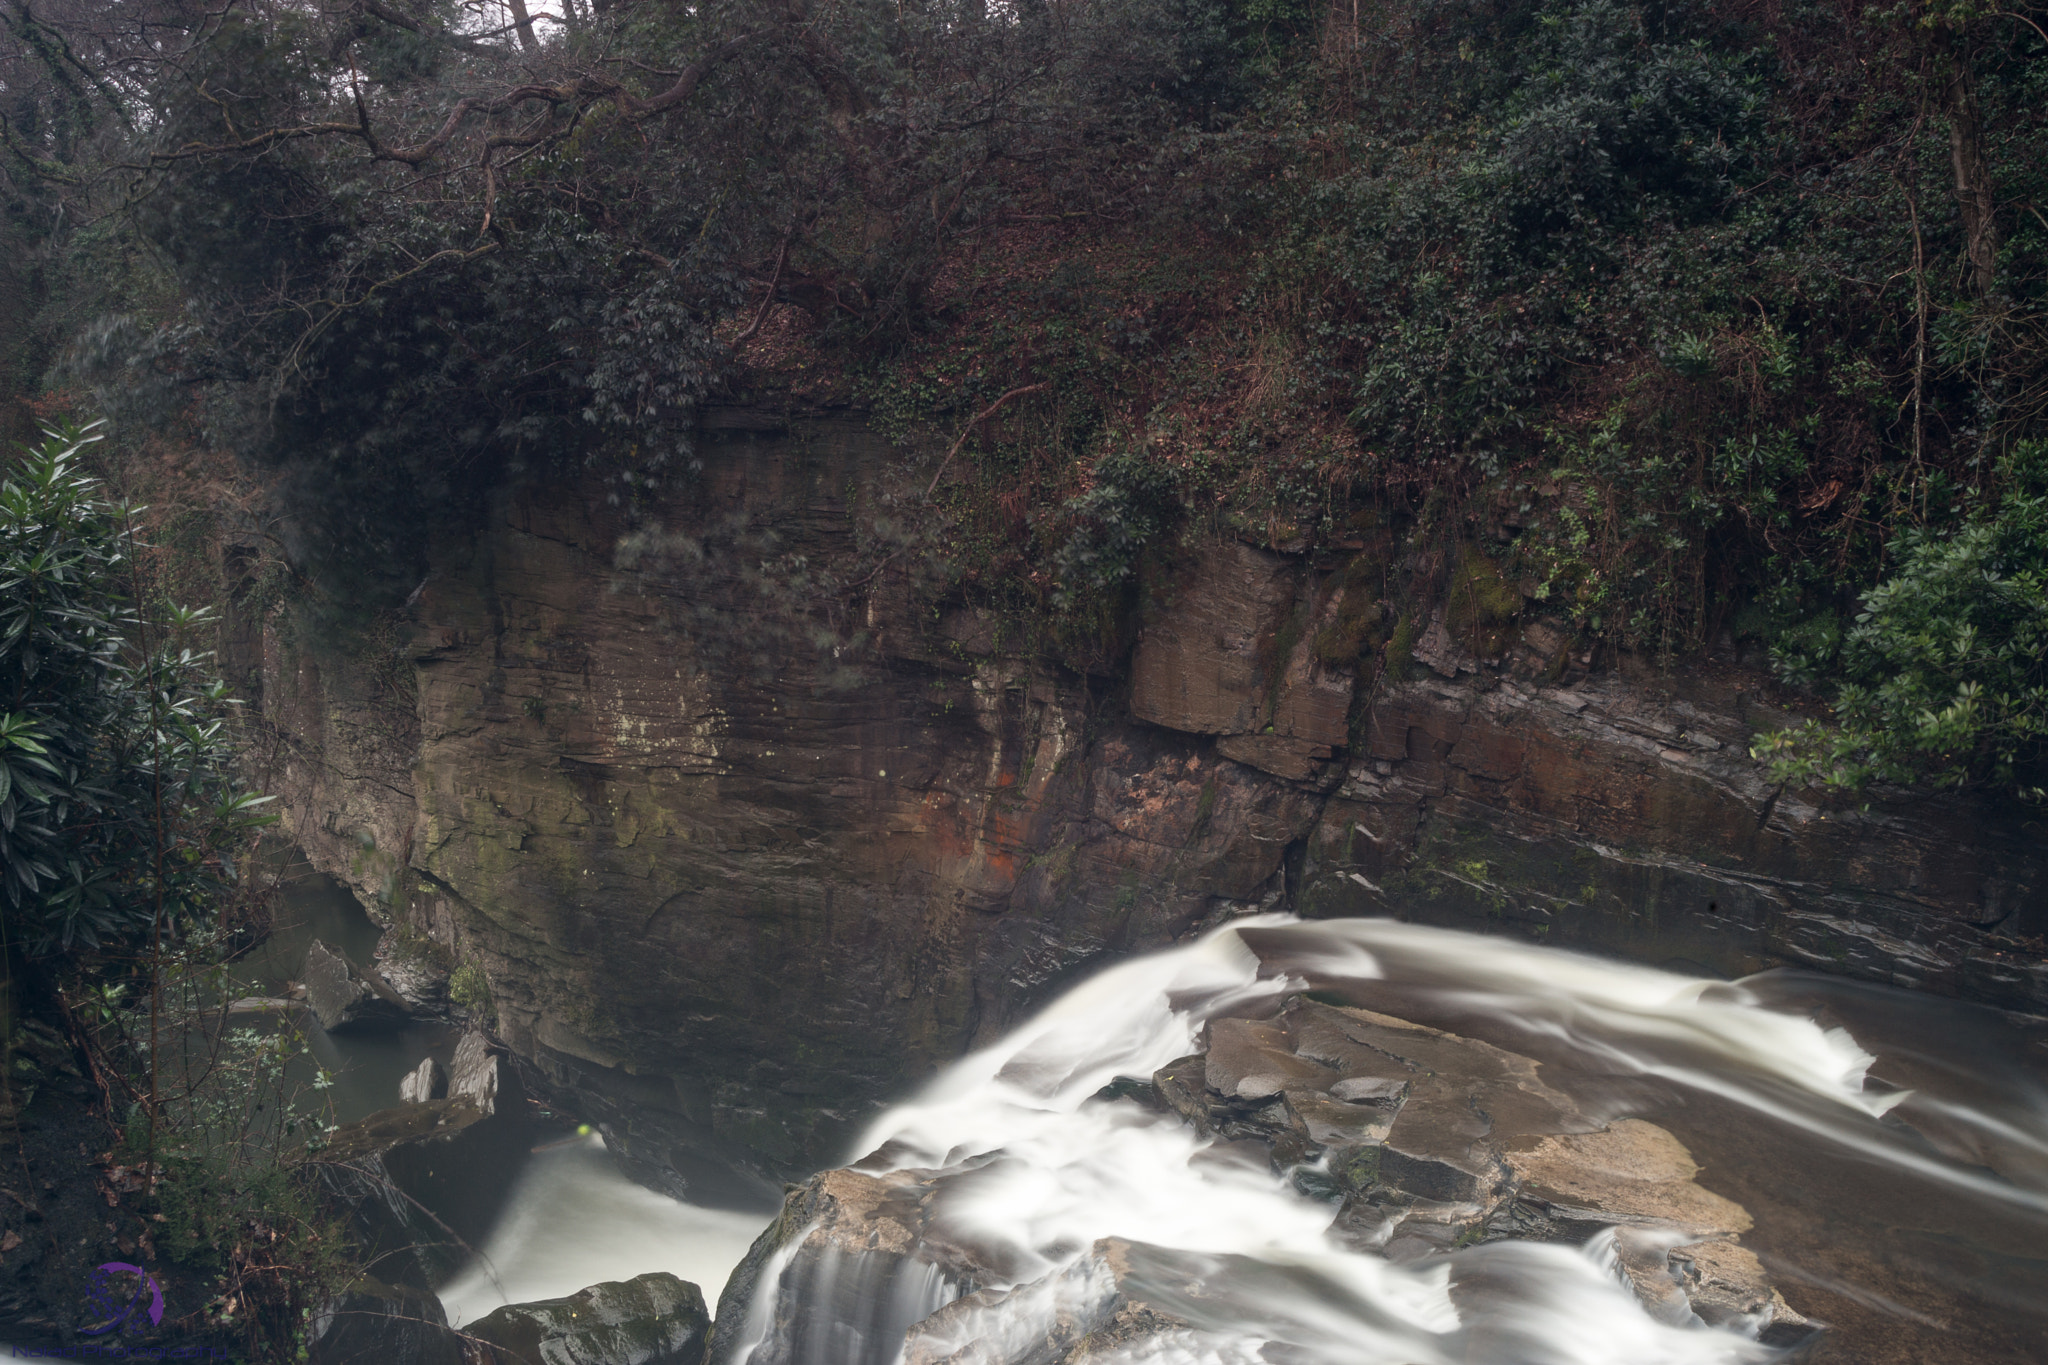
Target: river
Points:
(1892, 1148)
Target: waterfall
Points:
(1025, 1167)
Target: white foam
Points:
(573, 1220)
(1040, 1170)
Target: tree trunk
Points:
(1973, 172)
(523, 21)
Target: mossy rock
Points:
(653, 1319)
(1483, 606)
(1359, 623)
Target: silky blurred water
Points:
(573, 1220)
(1920, 1124)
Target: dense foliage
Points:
(120, 812)
(125, 830)
(1945, 668)
(1701, 319)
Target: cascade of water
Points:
(1036, 1173)
(573, 1220)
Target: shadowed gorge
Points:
(1210, 681)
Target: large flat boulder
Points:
(1433, 1141)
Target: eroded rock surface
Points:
(739, 858)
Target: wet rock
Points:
(416, 972)
(374, 1323)
(854, 1269)
(1432, 1141)
(1630, 1172)
(1677, 1243)
(343, 997)
(1093, 1308)
(653, 1319)
(1254, 1060)
(427, 1081)
(482, 1075)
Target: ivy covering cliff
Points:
(1682, 322)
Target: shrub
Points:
(469, 987)
(1945, 667)
(119, 806)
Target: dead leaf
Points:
(1822, 496)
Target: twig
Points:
(781, 255)
(974, 422)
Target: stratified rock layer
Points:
(730, 857)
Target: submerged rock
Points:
(653, 1319)
(343, 997)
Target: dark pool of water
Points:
(367, 1066)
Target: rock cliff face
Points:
(739, 860)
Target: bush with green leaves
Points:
(120, 810)
(1945, 667)
(230, 1117)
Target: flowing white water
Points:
(1719, 1037)
(573, 1220)
(1041, 1169)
